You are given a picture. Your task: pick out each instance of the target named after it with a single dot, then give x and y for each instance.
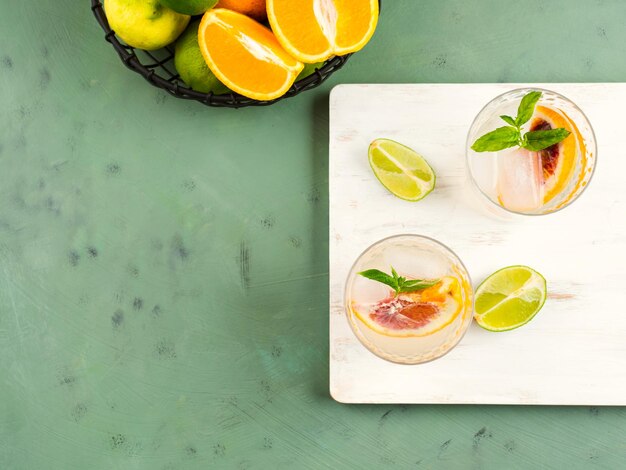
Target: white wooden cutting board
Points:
(574, 351)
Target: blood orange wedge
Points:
(314, 30)
(245, 56)
(419, 313)
(557, 161)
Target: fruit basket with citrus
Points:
(235, 53)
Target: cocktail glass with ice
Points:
(531, 182)
(409, 299)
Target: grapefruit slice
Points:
(419, 313)
(315, 30)
(559, 160)
(245, 56)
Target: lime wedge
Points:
(509, 298)
(402, 171)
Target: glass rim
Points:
(439, 245)
(468, 147)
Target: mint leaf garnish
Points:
(398, 283)
(417, 284)
(500, 139)
(509, 120)
(379, 276)
(539, 140)
(511, 135)
(527, 107)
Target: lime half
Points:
(401, 170)
(509, 298)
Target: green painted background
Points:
(163, 267)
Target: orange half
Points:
(558, 161)
(245, 56)
(314, 30)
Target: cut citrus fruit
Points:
(509, 298)
(419, 313)
(559, 160)
(315, 30)
(401, 170)
(245, 56)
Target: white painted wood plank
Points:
(574, 351)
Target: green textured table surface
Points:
(163, 266)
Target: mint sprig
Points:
(526, 107)
(539, 140)
(511, 135)
(398, 283)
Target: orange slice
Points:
(245, 56)
(414, 314)
(583, 163)
(314, 30)
(558, 161)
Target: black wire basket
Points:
(157, 67)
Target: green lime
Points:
(189, 7)
(509, 298)
(401, 170)
(191, 66)
(309, 69)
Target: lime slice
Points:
(509, 298)
(402, 171)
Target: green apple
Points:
(144, 24)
